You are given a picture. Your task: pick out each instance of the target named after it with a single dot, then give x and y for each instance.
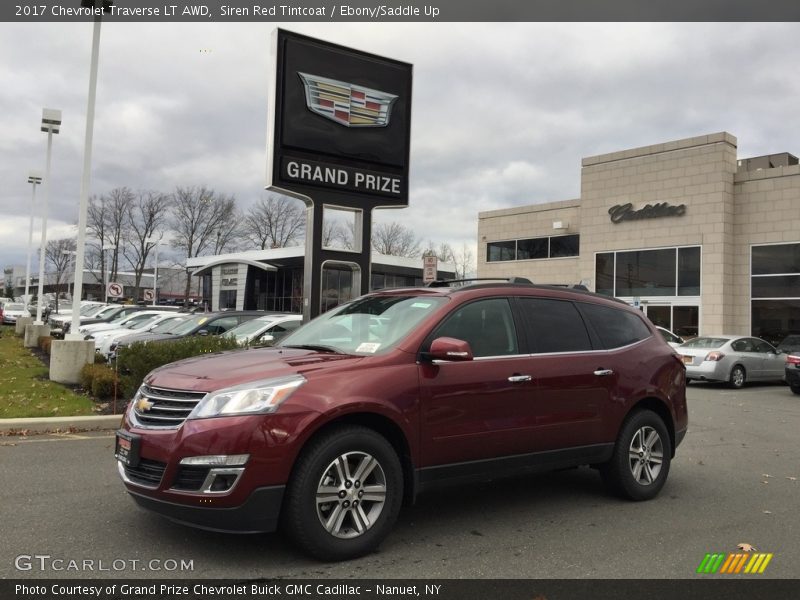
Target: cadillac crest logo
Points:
(345, 103)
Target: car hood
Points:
(226, 369)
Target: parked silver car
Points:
(732, 358)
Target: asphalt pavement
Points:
(736, 479)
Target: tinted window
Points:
(501, 251)
(705, 342)
(487, 325)
(554, 326)
(646, 273)
(689, 271)
(533, 248)
(564, 245)
(615, 327)
(221, 325)
(604, 273)
(781, 258)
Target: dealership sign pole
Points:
(338, 137)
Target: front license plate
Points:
(127, 448)
(687, 360)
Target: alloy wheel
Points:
(646, 455)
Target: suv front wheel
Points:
(639, 466)
(344, 495)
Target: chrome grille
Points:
(160, 407)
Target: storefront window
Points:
(775, 284)
(227, 299)
(689, 271)
(646, 273)
(604, 273)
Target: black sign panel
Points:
(341, 122)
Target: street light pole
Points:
(87, 164)
(51, 123)
(34, 178)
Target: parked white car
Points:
(103, 340)
(733, 358)
(12, 311)
(669, 337)
(266, 330)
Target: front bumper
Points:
(259, 513)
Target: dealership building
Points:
(702, 241)
(272, 279)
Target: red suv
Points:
(329, 432)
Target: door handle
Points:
(603, 372)
(519, 378)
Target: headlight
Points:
(258, 397)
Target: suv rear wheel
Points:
(344, 495)
(640, 464)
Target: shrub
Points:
(45, 342)
(139, 359)
(100, 358)
(99, 380)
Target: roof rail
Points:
(449, 282)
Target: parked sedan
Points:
(12, 311)
(732, 358)
(792, 372)
(669, 337)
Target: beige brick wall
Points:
(529, 222)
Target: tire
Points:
(330, 513)
(737, 377)
(795, 388)
(637, 471)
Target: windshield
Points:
(705, 342)
(190, 325)
(250, 327)
(15, 306)
(91, 309)
(168, 324)
(367, 325)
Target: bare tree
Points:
(444, 251)
(395, 239)
(464, 261)
(198, 215)
(275, 222)
(106, 220)
(146, 218)
(58, 256)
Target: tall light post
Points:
(156, 243)
(51, 124)
(107, 266)
(87, 165)
(34, 178)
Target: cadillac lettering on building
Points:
(343, 178)
(626, 212)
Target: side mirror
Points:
(203, 332)
(449, 349)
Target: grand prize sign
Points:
(339, 126)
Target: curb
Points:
(103, 422)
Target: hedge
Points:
(139, 359)
(100, 380)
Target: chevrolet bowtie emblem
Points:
(346, 103)
(143, 405)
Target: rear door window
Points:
(554, 326)
(616, 328)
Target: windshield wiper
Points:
(315, 347)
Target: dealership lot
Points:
(736, 479)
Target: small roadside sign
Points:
(429, 266)
(149, 295)
(114, 290)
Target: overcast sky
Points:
(502, 113)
